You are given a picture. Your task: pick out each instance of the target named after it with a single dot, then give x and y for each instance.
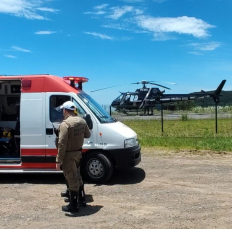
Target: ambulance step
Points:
(10, 161)
(29, 171)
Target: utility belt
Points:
(74, 150)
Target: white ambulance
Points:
(28, 115)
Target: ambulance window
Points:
(97, 110)
(80, 110)
(55, 101)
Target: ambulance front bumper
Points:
(126, 158)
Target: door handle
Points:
(49, 131)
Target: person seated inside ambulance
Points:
(3, 115)
(17, 130)
(1, 111)
(5, 140)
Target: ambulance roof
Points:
(43, 83)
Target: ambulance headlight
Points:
(130, 142)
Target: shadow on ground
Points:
(130, 176)
(85, 211)
(51, 178)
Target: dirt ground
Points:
(166, 190)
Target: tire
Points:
(97, 168)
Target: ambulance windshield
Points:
(98, 111)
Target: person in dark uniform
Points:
(72, 132)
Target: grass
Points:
(188, 134)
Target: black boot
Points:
(73, 205)
(65, 193)
(82, 200)
(67, 199)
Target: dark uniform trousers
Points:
(71, 169)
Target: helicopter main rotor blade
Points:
(164, 82)
(105, 88)
(144, 82)
(160, 86)
(136, 83)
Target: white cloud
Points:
(45, 32)
(118, 12)
(47, 9)
(114, 12)
(98, 10)
(133, 1)
(138, 11)
(16, 48)
(97, 13)
(210, 46)
(181, 25)
(196, 53)
(159, 1)
(161, 37)
(100, 7)
(124, 27)
(24, 8)
(10, 56)
(117, 26)
(133, 19)
(102, 36)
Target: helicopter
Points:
(145, 97)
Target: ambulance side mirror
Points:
(88, 120)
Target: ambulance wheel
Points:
(97, 168)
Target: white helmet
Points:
(69, 105)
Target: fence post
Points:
(216, 117)
(162, 119)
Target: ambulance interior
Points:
(9, 120)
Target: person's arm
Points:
(62, 142)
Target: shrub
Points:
(184, 117)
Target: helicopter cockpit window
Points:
(98, 111)
(136, 98)
(119, 97)
(127, 98)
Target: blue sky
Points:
(188, 42)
